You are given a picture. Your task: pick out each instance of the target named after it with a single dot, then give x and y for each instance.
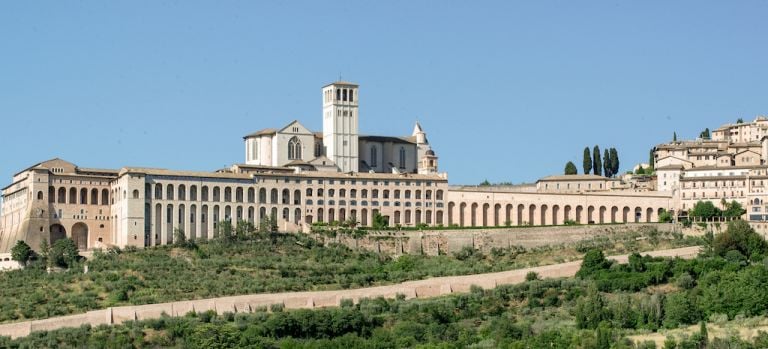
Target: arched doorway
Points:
(57, 233)
(80, 235)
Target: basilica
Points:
(339, 146)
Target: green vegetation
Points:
(705, 134)
(605, 306)
(570, 169)
(587, 163)
(21, 252)
(597, 165)
(706, 210)
(255, 262)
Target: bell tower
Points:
(340, 124)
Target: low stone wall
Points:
(434, 242)
(432, 287)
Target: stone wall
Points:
(432, 287)
(434, 242)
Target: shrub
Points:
(531, 276)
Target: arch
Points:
(83, 196)
(566, 213)
(286, 197)
(407, 217)
(451, 208)
(601, 214)
(439, 217)
(579, 211)
(228, 213)
(193, 192)
(104, 197)
(62, 196)
(496, 214)
(294, 148)
(342, 215)
(204, 193)
(555, 213)
(397, 217)
(473, 217)
(625, 214)
(462, 211)
(309, 192)
(296, 216)
(638, 214)
(439, 194)
(648, 215)
(286, 214)
(364, 217)
(320, 217)
(182, 192)
(417, 216)
(262, 196)
(94, 196)
(508, 215)
(532, 214)
(40, 195)
(273, 196)
(614, 212)
(486, 208)
(239, 194)
(80, 235)
(227, 194)
(216, 194)
(158, 191)
(57, 232)
(251, 195)
(591, 214)
(520, 217)
(158, 224)
(51, 194)
(251, 215)
(544, 211)
(72, 195)
(135, 194)
(297, 197)
(402, 157)
(169, 192)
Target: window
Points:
(402, 157)
(294, 149)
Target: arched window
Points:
(135, 194)
(374, 156)
(402, 157)
(294, 149)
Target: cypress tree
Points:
(587, 161)
(597, 165)
(614, 161)
(652, 160)
(607, 163)
(570, 169)
(674, 136)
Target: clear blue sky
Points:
(507, 91)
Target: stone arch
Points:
(601, 215)
(648, 214)
(320, 217)
(251, 215)
(182, 192)
(83, 196)
(451, 209)
(638, 214)
(496, 214)
(508, 214)
(94, 196)
(286, 197)
(625, 214)
(614, 212)
(486, 208)
(439, 217)
(72, 195)
(262, 196)
(296, 216)
(104, 197)
(297, 197)
(80, 235)
(590, 214)
(544, 211)
(532, 214)
(239, 194)
(520, 209)
(567, 213)
(251, 195)
(579, 212)
(273, 196)
(417, 216)
(407, 217)
(342, 214)
(364, 217)
(227, 194)
(462, 211)
(62, 195)
(473, 212)
(555, 213)
(57, 232)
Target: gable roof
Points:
(262, 132)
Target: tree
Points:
(739, 236)
(733, 209)
(179, 237)
(594, 260)
(21, 252)
(224, 230)
(45, 251)
(665, 216)
(705, 134)
(597, 165)
(485, 183)
(587, 163)
(570, 168)
(705, 210)
(739, 121)
(674, 136)
(640, 170)
(652, 159)
(607, 163)
(614, 161)
(379, 221)
(64, 253)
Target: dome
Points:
(430, 152)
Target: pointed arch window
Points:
(402, 157)
(294, 149)
(374, 156)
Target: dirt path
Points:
(432, 287)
